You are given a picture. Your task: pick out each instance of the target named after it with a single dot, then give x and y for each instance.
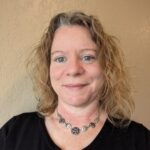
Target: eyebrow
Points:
(57, 51)
(89, 49)
(82, 50)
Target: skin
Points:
(75, 73)
(77, 78)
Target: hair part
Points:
(115, 98)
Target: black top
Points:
(28, 132)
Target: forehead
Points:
(74, 36)
(72, 28)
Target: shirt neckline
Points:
(101, 136)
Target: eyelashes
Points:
(83, 58)
(88, 58)
(60, 59)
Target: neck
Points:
(77, 115)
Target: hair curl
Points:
(116, 96)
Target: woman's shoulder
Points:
(136, 133)
(133, 129)
(139, 134)
(23, 117)
(19, 121)
(27, 116)
(135, 136)
(137, 128)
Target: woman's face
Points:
(75, 73)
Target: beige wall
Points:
(22, 23)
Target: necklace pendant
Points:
(75, 130)
(92, 125)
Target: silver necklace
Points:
(76, 130)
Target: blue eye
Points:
(88, 58)
(60, 59)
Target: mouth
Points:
(75, 86)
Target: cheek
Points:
(98, 76)
(55, 73)
(96, 71)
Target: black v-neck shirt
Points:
(28, 132)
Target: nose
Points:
(75, 68)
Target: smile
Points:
(74, 86)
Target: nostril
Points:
(75, 69)
(74, 74)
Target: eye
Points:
(60, 59)
(88, 58)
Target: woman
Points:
(83, 91)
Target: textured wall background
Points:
(23, 22)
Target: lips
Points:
(75, 86)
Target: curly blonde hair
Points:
(116, 96)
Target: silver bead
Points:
(84, 128)
(68, 125)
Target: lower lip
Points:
(75, 87)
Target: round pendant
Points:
(92, 125)
(75, 130)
